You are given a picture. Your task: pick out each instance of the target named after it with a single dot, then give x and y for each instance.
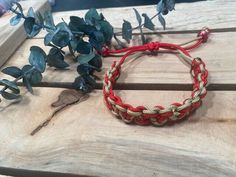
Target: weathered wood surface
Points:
(11, 37)
(218, 53)
(96, 143)
(188, 16)
(86, 139)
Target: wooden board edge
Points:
(15, 40)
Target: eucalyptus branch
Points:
(24, 17)
(85, 38)
(163, 8)
(13, 84)
(137, 27)
(19, 78)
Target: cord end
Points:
(204, 34)
(105, 51)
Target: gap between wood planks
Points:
(142, 86)
(30, 173)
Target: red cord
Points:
(202, 35)
(158, 115)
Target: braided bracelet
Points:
(158, 115)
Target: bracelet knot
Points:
(204, 33)
(153, 46)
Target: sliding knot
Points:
(153, 46)
(204, 33)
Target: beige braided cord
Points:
(158, 115)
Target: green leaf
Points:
(97, 25)
(56, 59)
(96, 39)
(48, 38)
(79, 26)
(11, 85)
(79, 84)
(89, 81)
(61, 38)
(48, 20)
(31, 13)
(19, 6)
(10, 96)
(83, 69)
(138, 17)
(36, 77)
(96, 62)
(12, 71)
(127, 31)
(83, 47)
(37, 58)
(64, 27)
(87, 68)
(75, 23)
(170, 4)
(162, 21)
(91, 16)
(148, 22)
(85, 58)
(15, 20)
(27, 77)
(31, 28)
(32, 75)
(160, 6)
(39, 18)
(84, 83)
(27, 84)
(26, 70)
(87, 29)
(74, 43)
(72, 52)
(107, 31)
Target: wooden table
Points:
(87, 140)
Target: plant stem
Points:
(17, 79)
(137, 27)
(23, 16)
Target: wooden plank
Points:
(12, 36)
(188, 16)
(218, 53)
(79, 142)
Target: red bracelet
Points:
(158, 115)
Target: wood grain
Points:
(218, 53)
(87, 139)
(12, 36)
(187, 16)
